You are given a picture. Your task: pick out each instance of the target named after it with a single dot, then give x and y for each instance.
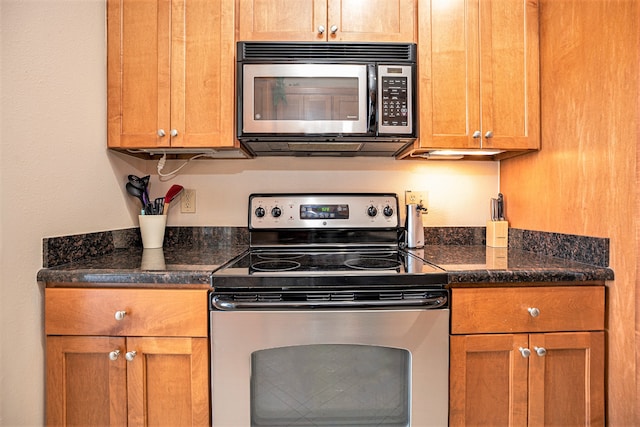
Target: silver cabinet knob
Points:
(321, 29)
(476, 134)
(525, 352)
(489, 134)
(534, 312)
(174, 132)
(334, 29)
(130, 355)
(120, 314)
(161, 133)
(540, 351)
(114, 355)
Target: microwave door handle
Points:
(372, 89)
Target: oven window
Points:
(331, 385)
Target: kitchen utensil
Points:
(415, 228)
(158, 206)
(493, 206)
(172, 193)
(141, 184)
(136, 192)
(501, 216)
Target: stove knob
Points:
(260, 212)
(276, 212)
(372, 211)
(388, 211)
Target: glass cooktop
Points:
(303, 269)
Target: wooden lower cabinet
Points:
(527, 379)
(127, 380)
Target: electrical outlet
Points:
(418, 197)
(188, 201)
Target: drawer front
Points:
(146, 312)
(539, 309)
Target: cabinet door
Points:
(282, 20)
(312, 20)
(488, 380)
(566, 384)
(168, 382)
(138, 72)
(170, 77)
(202, 73)
(479, 74)
(448, 68)
(84, 386)
(509, 74)
(372, 21)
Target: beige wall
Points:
(584, 179)
(57, 178)
(458, 192)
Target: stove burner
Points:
(372, 263)
(275, 265)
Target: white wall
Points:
(57, 178)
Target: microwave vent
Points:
(327, 52)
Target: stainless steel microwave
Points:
(326, 98)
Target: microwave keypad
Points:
(394, 101)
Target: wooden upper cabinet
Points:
(170, 77)
(479, 74)
(327, 20)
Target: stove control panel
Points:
(340, 210)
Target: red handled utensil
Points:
(172, 193)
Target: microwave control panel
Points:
(395, 99)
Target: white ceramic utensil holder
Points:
(152, 230)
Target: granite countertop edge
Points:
(192, 267)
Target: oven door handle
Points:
(427, 303)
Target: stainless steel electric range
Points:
(327, 320)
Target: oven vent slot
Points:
(390, 296)
(257, 298)
(318, 297)
(415, 295)
(396, 296)
(343, 297)
(269, 297)
(329, 52)
(334, 296)
(245, 298)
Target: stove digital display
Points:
(324, 211)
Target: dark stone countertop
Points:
(184, 266)
(467, 265)
(477, 265)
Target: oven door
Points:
(330, 367)
(303, 99)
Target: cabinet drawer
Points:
(147, 312)
(496, 310)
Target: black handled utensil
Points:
(136, 192)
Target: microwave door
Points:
(305, 99)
